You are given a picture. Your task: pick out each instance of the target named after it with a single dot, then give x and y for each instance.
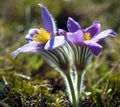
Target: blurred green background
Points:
(18, 16)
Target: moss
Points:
(109, 93)
(23, 92)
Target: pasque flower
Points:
(53, 48)
(43, 38)
(89, 36)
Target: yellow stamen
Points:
(42, 36)
(87, 36)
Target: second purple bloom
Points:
(89, 36)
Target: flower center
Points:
(42, 36)
(87, 36)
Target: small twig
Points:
(5, 82)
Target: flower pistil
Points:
(41, 36)
(87, 36)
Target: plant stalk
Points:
(71, 88)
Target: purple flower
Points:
(43, 38)
(89, 36)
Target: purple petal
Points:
(72, 25)
(48, 21)
(55, 42)
(94, 47)
(76, 37)
(94, 29)
(31, 47)
(103, 34)
(31, 33)
(62, 32)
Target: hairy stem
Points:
(71, 88)
(80, 84)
